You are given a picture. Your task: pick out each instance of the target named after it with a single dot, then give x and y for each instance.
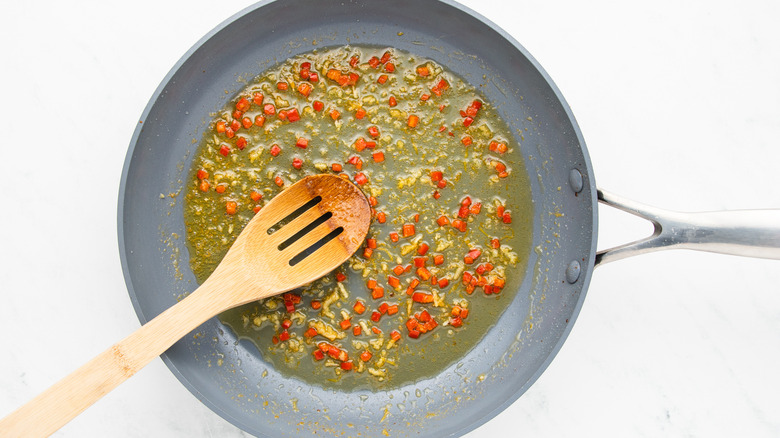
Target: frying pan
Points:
(533, 328)
(254, 396)
(161, 145)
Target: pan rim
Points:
(586, 169)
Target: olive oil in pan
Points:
(389, 121)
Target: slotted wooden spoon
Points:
(300, 235)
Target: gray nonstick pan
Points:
(249, 393)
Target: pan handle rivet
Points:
(575, 180)
(573, 272)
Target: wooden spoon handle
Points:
(67, 398)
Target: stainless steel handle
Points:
(749, 233)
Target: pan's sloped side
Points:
(230, 376)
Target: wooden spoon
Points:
(302, 234)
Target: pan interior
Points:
(229, 375)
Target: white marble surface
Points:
(679, 103)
